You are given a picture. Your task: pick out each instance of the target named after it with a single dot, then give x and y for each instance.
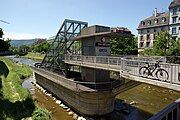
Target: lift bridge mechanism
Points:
(61, 45)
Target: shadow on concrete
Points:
(3, 69)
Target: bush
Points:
(41, 114)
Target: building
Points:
(174, 23)
(149, 28)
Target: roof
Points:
(174, 4)
(105, 34)
(153, 21)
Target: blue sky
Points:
(42, 18)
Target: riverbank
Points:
(34, 56)
(15, 101)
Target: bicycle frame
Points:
(153, 70)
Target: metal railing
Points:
(171, 72)
(171, 112)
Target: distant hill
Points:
(17, 43)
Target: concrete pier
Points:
(80, 98)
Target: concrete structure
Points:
(89, 91)
(174, 22)
(149, 28)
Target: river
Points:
(145, 100)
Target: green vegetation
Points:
(124, 46)
(1, 33)
(5, 45)
(165, 45)
(35, 56)
(41, 114)
(15, 101)
(40, 47)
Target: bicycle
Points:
(160, 73)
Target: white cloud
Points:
(20, 36)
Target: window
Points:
(174, 11)
(142, 23)
(174, 20)
(141, 44)
(149, 22)
(163, 29)
(141, 38)
(163, 19)
(174, 30)
(148, 37)
(155, 30)
(148, 44)
(148, 31)
(156, 21)
(154, 36)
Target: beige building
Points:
(149, 28)
(174, 23)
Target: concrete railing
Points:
(77, 85)
(169, 73)
(171, 112)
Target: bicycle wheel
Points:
(144, 71)
(162, 74)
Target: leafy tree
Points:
(124, 46)
(5, 45)
(162, 43)
(1, 33)
(23, 49)
(40, 47)
(174, 49)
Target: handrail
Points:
(131, 66)
(171, 112)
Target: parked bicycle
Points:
(149, 70)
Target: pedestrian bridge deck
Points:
(129, 69)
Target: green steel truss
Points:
(62, 45)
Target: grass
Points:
(35, 56)
(15, 101)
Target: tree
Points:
(23, 49)
(161, 45)
(163, 41)
(124, 46)
(40, 47)
(5, 45)
(174, 49)
(1, 33)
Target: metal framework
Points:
(61, 45)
